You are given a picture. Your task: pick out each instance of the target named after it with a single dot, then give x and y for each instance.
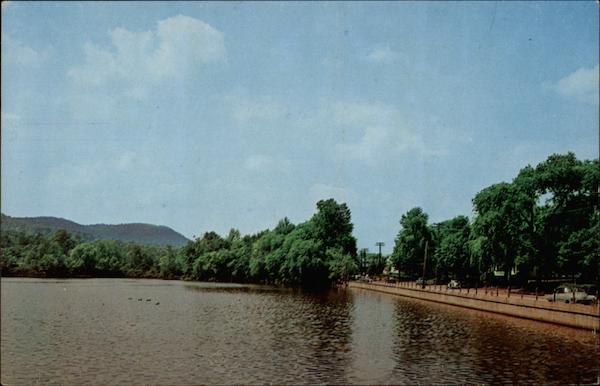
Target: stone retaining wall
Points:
(573, 315)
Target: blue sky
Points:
(207, 116)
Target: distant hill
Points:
(136, 232)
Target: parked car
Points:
(571, 294)
(454, 284)
(366, 278)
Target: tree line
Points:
(313, 253)
(543, 224)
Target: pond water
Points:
(98, 331)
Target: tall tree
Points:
(409, 248)
(333, 226)
(502, 220)
(526, 188)
(570, 187)
(451, 257)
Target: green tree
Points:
(452, 254)
(305, 262)
(569, 213)
(409, 247)
(341, 266)
(267, 254)
(209, 242)
(82, 259)
(140, 261)
(239, 264)
(502, 213)
(109, 258)
(333, 226)
(65, 241)
(52, 263)
(169, 264)
(375, 264)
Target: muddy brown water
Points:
(97, 331)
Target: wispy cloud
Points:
(15, 52)
(363, 114)
(177, 47)
(86, 175)
(581, 85)
(347, 131)
(384, 133)
(383, 54)
(267, 164)
(254, 109)
(130, 160)
(374, 144)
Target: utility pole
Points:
(379, 244)
(425, 263)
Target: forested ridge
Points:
(542, 224)
(135, 232)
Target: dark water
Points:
(89, 331)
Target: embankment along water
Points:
(572, 315)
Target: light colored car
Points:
(570, 294)
(454, 284)
(366, 278)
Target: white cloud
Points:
(103, 180)
(246, 110)
(185, 41)
(265, 163)
(581, 85)
(15, 52)
(177, 47)
(363, 114)
(383, 54)
(384, 133)
(129, 161)
(372, 144)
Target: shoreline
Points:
(580, 316)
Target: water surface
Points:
(97, 331)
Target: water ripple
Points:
(95, 331)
